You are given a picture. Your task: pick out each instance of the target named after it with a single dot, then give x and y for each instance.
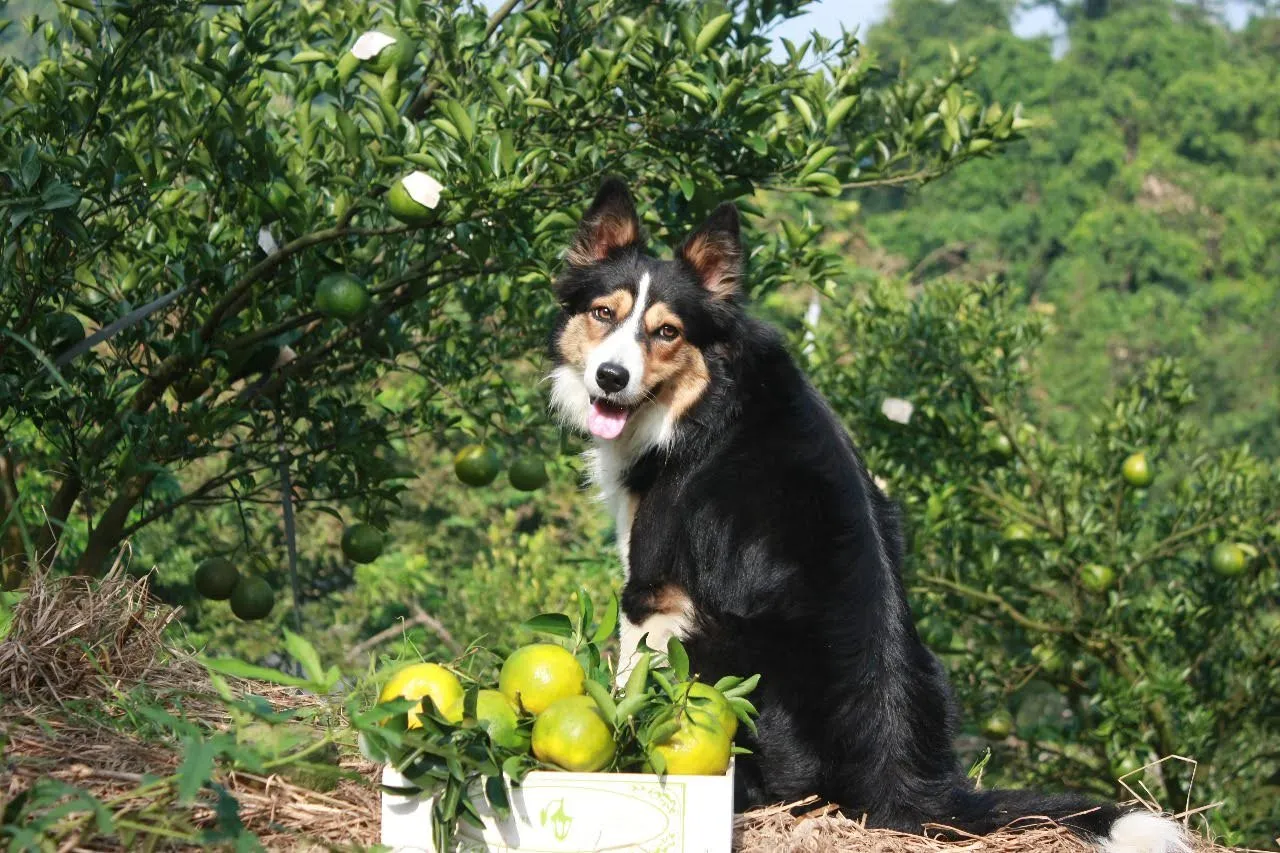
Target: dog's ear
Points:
(714, 252)
(610, 223)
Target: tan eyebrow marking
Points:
(619, 302)
(659, 315)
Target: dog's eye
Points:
(602, 313)
(668, 332)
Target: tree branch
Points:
(420, 617)
(999, 601)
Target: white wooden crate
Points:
(554, 812)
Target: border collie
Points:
(750, 528)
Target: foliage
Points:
(178, 181)
(1143, 213)
(1168, 657)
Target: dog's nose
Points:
(612, 377)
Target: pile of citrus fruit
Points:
(544, 705)
(464, 728)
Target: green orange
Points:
(572, 734)
(537, 675)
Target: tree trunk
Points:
(106, 536)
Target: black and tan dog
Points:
(750, 528)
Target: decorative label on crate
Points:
(579, 812)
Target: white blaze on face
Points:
(622, 347)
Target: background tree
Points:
(224, 163)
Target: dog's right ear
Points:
(610, 223)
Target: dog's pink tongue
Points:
(606, 421)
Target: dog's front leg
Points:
(650, 618)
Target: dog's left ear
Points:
(715, 252)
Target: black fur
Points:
(764, 513)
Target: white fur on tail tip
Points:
(1145, 832)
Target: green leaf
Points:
(818, 160)
(638, 679)
(305, 654)
(603, 700)
(303, 57)
(742, 688)
(495, 792)
(839, 110)
(803, 108)
(461, 120)
(696, 92)
(608, 621)
(711, 32)
(678, 658)
(686, 186)
(555, 624)
(239, 669)
(196, 768)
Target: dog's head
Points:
(633, 340)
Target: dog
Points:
(749, 527)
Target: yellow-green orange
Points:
(1228, 559)
(216, 578)
(1136, 471)
(476, 465)
(252, 599)
(362, 543)
(405, 207)
(705, 699)
(537, 675)
(497, 715)
(700, 747)
(572, 734)
(1096, 577)
(426, 679)
(999, 725)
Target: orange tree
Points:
(1093, 619)
(182, 181)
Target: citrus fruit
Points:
(476, 465)
(362, 543)
(426, 679)
(1096, 577)
(999, 725)
(498, 716)
(700, 747)
(1049, 658)
(536, 675)
(998, 444)
(704, 699)
(404, 206)
(252, 599)
(399, 54)
(527, 473)
(572, 734)
(60, 331)
(340, 295)
(1017, 532)
(216, 578)
(1136, 471)
(1228, 559)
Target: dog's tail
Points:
(1110, 828)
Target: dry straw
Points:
(77, 646)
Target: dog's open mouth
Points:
(606, 420)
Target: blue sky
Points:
(826, 16)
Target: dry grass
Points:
(77, 647)
(792, 828)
